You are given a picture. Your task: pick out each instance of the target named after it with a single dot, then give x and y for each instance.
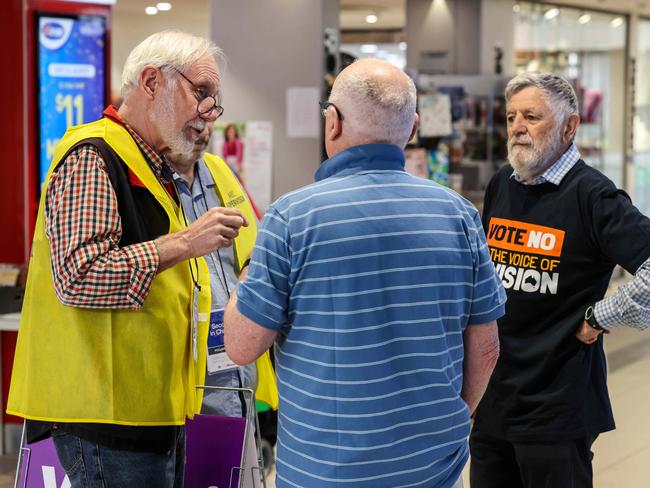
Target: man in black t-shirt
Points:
(556, 228)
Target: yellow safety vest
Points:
(231, 195)
(126, 367)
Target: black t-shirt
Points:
(555, 248)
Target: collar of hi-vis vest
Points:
(557, 171)
(160, 168)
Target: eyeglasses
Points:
(325, 105)
(206, 103)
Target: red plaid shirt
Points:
(83, 227)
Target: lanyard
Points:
(195, 280)
(222, 279)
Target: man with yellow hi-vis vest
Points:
(204, 181)
(116, 311)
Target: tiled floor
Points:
(7, 471)
(622, 457)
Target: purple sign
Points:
(213, 457)
(40, 467)
(213, 448)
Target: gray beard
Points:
(162, 114)
(540, 160)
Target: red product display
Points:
(19, 134)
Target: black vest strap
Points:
(142, 217)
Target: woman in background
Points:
(233, 149)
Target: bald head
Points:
(377, 101)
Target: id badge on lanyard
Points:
(218, 360)
(195, 324)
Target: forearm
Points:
(117, 278)
(172, 249)
(481, 344)
(630, 305)
(245, 340)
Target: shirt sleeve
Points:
(489, 297)
(83, 227)
(630, 305)
(263, 296)
(619, 229)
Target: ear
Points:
(570, 128)
(151, 80)
(416, 123)
(333, 127)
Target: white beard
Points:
(532, 159)
(162, 115)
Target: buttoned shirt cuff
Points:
(144, 261)
(605, 314)
(630, 305)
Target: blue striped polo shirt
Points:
(370, 276)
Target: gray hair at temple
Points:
(376, 110)
(560, 95)
(172, 49)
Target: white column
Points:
(272, 45)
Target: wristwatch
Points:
(590, 318)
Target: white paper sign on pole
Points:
(435, 115)
(259, 161)
(303, 117)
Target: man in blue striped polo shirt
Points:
(378, 290)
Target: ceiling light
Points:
(551, 13)
(516, 8)
(372, 19)
(151, 10)
(164, 6)
(584, 18)
(617, 22)
(369, 48)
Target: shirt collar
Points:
(205, 177)
(362, 158)
(158, 165)
(557, 171)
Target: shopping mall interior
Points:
(282, 58)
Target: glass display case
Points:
(466, 151)
(641, 129)
(587, 48)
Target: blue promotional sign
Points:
(71, 77)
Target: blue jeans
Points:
(89, 465)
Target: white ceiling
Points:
(391, 13)
(641, 7)
(179, 7)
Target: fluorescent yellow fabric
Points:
(267, 387)
(232, 195)
(110, 366)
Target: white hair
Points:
(170, 48)
(559, 94)
(375, 110)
